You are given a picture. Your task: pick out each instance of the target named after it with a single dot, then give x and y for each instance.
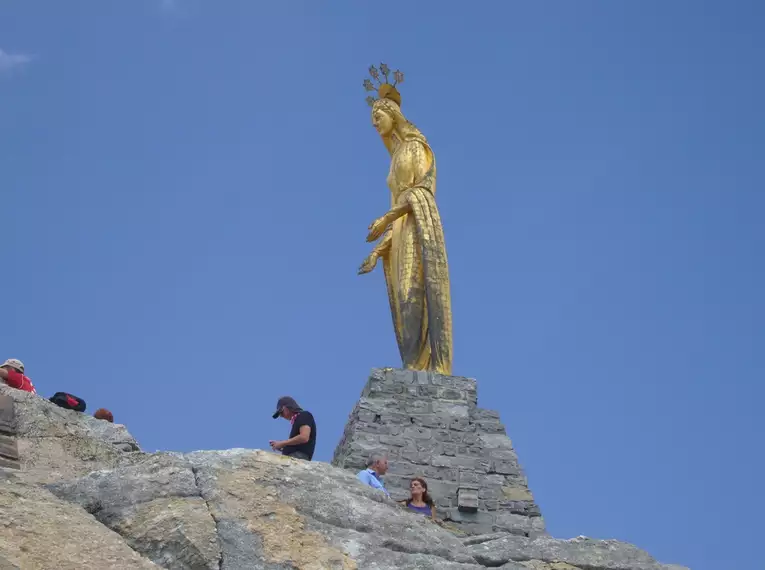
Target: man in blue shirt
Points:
(377, 466)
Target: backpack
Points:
(69, 402)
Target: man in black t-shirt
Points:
(302, 441)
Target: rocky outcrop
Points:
(39, 531)
(581, 552)
(9, 450)
(54, 443)
(256, 509)
(235, 510)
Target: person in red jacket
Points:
(12, 373)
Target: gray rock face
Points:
(54, 443)
(240, 509)
(102, 507)
(40, 532)
(430, 426)
(262, 510)
(9, 450)
(581, 552)
(156, 506)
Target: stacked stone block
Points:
(429, 425)
(9, 451)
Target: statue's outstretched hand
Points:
(369, 263)
(377, 228)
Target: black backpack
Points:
(64, 400)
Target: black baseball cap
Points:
(285, 401)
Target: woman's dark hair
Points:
(425, 495)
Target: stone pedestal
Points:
(429, 425)
(9, 452)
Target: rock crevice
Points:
(212, 515)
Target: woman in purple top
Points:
(419, 500)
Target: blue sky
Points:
(185, 189)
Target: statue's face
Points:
(382, 121)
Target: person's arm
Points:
(3, 374)
(302, 437)
(433, 513)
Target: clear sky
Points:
(185, 188)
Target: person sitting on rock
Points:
(419, 500)
(377, 466)
(104, 414)
(12, 373)
(302, 441)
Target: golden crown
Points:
(385, 89)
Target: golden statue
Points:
(412, 247)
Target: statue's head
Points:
(386, 111)
(385, 116)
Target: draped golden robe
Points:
(416, 270)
